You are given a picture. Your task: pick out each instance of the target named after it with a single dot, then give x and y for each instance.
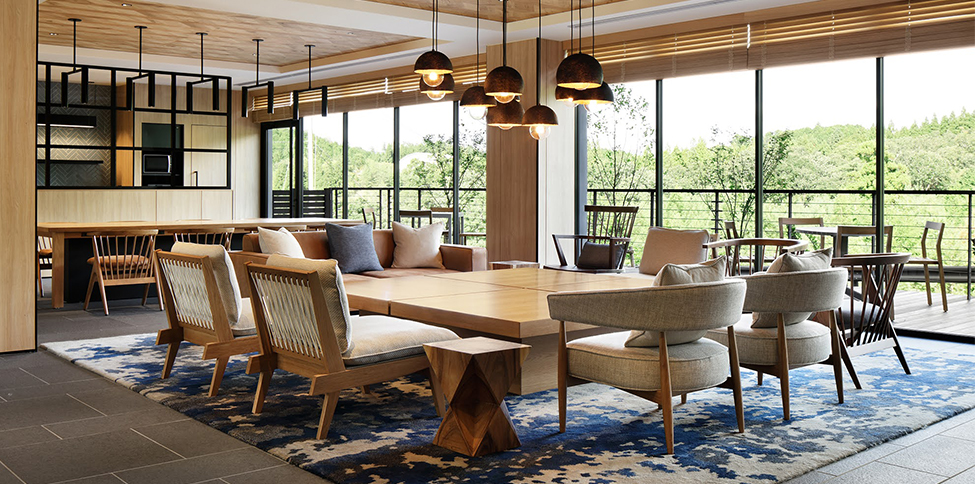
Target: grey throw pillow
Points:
(810, 261)
(353, 248)
(672, 275)
(596, 256)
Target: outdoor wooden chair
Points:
(205, 236)
(866, 318)
(45, 259)
(656, 373)
(416, 217)
(926, 261)
(369, 216)
(794, 341)
(786, 224)
(122, 258)
(203, 307)
(843, 232)
(304, 327)
(753, 253)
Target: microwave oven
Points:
(156, 164)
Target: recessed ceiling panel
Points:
(491, 9)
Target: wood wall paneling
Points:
(218, 205)
(18, 43)
(179, 204)
(246, 138)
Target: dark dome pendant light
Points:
(505, 115)
(539, 118)
(433, 65)
(475, 99)
(579, 71)
(504, 83)
(601, 94)
(440, 91)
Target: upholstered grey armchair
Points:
(681, 313)
(782, 336)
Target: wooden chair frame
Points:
(213, 333)
(45, 259)
(843, 231)
(206, 236)
(366, 213)
(787, 223)
(122, 244)
(927, 261)
(873, 330)
(613, 242)
(417, 216)
(322, 362)
(612, 221)
(754, 251)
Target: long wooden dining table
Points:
(507, 304)
(60, 231)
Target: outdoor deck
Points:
(913, 316)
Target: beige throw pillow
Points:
(223, 272)
(670, 246)
(279, 242)
(672, 275)
(788, 262)
(336, 300)
(414, 248)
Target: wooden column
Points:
(18, 43)
(529, 183)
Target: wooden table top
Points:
(828, 230)
(375, 295)
(604, 282)
(477, 345)
(525, 277)
(513, 312)
(50, 228)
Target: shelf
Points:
(73, 162)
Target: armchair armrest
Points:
(463, 258)
(240, 260)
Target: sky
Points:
(917, 86)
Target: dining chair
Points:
(369, 215)
(843, 232)
(204, 307)
(731, 230)
(122, 258)
(304, 327)
(44, 259)
(794, 341)
(865, 318)
(656, 373)
(929, 228)
(417, 217)
(447, 215)
(612, 221)
(786, 225)
(748, 252)
(206, 236)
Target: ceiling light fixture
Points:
(151, 78)
(296, 94)
(74, 68)
(504, 83)
(440, 91)
(539, 118)
(433, 64)
(53, 34)
(475, 99)
(214, 83)
(505, 115)
(597, 96)
(257, 84)
(579, 71)
(566, 94)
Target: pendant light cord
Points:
(74, 42)
(504, 32)
(201, 34)
(538, 58)
(477, 44)
(309, 64)
(592, 23)
(433, 24)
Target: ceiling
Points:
(351, 36)
(491, 9)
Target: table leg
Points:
(57, 270)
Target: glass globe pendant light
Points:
(504, 83)
(539, 118)
(475, 99)
(580, 71)
(440, 91)
(433, 65)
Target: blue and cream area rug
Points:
(386, 436)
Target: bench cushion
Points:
(382, 338)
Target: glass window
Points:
(427, 160)
(370, 160)
(322, 164)
(473, 175)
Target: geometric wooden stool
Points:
(475, 374)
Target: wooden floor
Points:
(912, 313)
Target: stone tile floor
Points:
(61, 423)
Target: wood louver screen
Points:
(398, 90)
(873, 31)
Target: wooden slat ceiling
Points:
(107, 25)
(491, 9)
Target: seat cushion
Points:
(606, 359)
(45, 252)
(386, 273)
(353, 247)
(597, 256)
(245, 326)
(223, 274)
(279, 242)
(807, 342)
(333, 289)
(382, 338)
(415, 248)
(120, 260)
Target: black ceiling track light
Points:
(580, 70)
(296, 94)
(75, 69)
(257, 84)
(475, 99)
(539, 118)
(215, 83)
(151, 77)
(433, 65)
(504, 83)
